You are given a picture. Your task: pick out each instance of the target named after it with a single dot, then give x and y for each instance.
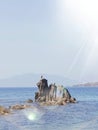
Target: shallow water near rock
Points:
(79, 116)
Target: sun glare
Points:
(85, 11)
(83, 14)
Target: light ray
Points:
(90, 60)
(76, 59)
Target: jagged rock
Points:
(47, 93)
(37, 95)
(4, 111)
(41, 99)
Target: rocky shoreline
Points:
(29, 103)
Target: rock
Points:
(61, 101)
(58, 101)
(72, 100)
(19, 107)
(41, 99)
(4, 111)
(52, 103)
(48, 103)
(37, 95)
(29, 101)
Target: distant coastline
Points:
(30, 80)
(89, 84)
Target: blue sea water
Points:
(80, 116)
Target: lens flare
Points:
(33, 114)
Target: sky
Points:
(49, 37)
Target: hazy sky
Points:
(49, 36)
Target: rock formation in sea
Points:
(46, 96)
(52, 94)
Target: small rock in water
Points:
(19, 107)
(4, 111)
(29, 101)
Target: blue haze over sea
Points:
(80, 116)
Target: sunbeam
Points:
(76, 59)
(83, 14)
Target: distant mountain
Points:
(30, 80)
(89, 84)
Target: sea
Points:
(82, 115)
